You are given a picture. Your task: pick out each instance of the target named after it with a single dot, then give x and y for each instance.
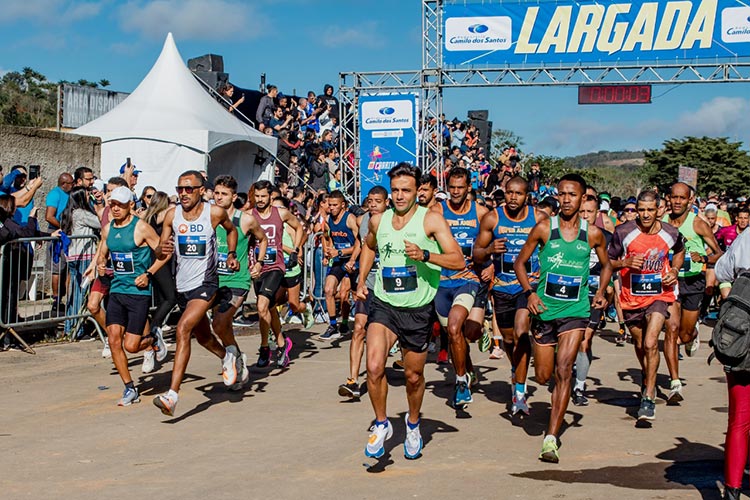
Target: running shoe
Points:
(398, 364)
(611, 313)
(129, 396)
(675, 395)
(395, 349)
(579, 399)
(473, 379)
(620, 340)
(647, 411)
(264, 357)
(332, 333)
(165, 404)
(160, 348)
(496, 353)
(413, 442)
(106, 351)
(378, 436)
(442, 357)
(243, 321)
(519, 404)
(307, 317)
(245, 374)
(692, 347)
(461, 395)
(350, 389)
(148, 361)
(731, 493)
(549, 451)
(231, 366)
(282, 354)
(431, 347)
(344, 328)
(485, 342)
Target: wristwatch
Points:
(527, 293)
(149, 275)
(340, 254)
(232, 252)
(425, 255)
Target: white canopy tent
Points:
(170, 124)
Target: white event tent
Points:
(170, 124)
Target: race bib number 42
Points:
(122, 262)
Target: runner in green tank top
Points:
(684, 312)
(129, 241)
(291, 284)
(560, 305)
(413, 245)
(234, 285)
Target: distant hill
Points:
(621, 159)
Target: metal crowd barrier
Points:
(314, 273)
(32, 272)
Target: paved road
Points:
(289, 435)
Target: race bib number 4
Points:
(563, 287)
(122, 262)
(645, 284)
(192, 246)
(400, 279)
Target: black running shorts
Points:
(130, 311)
(412, 326)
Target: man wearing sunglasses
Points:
(193, 223)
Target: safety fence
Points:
(314, 274)
(43, 286)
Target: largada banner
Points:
(589, 31)
(387, 137)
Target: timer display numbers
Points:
(614, 94)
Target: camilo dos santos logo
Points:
(478, 33)
(387, 115)
(735, 25)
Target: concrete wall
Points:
(54, 152)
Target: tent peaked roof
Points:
(170, 105)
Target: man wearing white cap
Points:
(128, 241)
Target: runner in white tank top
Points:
(193, 225)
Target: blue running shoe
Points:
(413, 442)
(462, 394)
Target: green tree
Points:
(722, 165)
(501, 139)
(104, 83)
(553, 167)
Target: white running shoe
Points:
(413, 442)
(519, 404)
(106, 351)
(379, 435)
(693, 346)
(229, 366)
(244, 377)
(129, 396)
(496, 353)
(159, 346)
(148, 361)
(308, 317)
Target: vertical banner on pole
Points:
(387, 136)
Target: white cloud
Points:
(48, 11)
(364, 35)
(192, 19)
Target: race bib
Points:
(645, 284)
(192, 246)
(467, 246)
(122, 262)
(562, 287)
(270, 256)
(399, 279)
(686, 264)
(507, 261)
(223, 268)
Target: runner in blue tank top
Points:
(502, 234)
(341, 248)
(195, 249)
(459, 304)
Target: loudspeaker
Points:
(479, 114)
(485, 133)
(212, 78)
(209, 62)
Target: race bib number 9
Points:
(192, 246)
(400, 279)
(562, 287)
(122, 262)
(645, 284)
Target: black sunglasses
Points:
(187, 189)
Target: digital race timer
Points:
(614, 94)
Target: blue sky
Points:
(303, 44)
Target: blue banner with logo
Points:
(387, 136)
(569, 32)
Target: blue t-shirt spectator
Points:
(57, 198)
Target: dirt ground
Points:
(289, 434)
